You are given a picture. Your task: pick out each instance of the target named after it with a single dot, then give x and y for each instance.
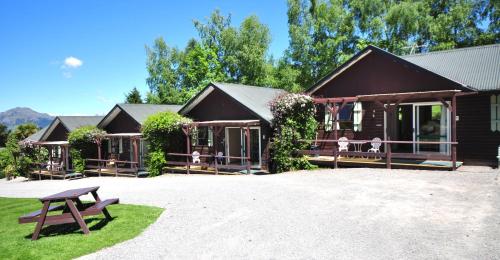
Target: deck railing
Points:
(387, 153)
(114, 165)
(215, 158)
(51, 169)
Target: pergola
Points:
(50, 145)
(217, 126)
(389, 103)
(134, 161)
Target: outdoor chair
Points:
(196, 157)
(219, 157)
(343, 144)
(376, 143)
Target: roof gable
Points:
(253, 98)
(36, 136)
(369, 53)
(70, 123)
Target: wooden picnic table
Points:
(73, 209)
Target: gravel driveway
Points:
(325, 214)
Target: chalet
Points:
(54, 137)
(433, 107)
(123, 124)
(232, 121)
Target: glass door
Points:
(431, 124)
(254, 146)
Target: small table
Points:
(71, 213)
(357, 145)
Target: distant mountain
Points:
(20, 115)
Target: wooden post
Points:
(188, 149)
(388, 158)
(214, 140)
(335, 137)
(50, 162)
(247, 146)
(454, 132)
(39, 167)
(136, 157)
(63, 159)
(66, 158)
(99, 163)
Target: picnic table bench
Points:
(71, 213)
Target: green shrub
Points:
(83, 145)
(293, 120)
(156, 163)
(164, 131)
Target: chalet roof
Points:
(254, 98)
(73, 122)
(36, 136)
(70, 123)
(474, 68)
(139, 112)
(477, 67)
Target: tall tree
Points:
(133, 97)
(162, 62)
(4, 132)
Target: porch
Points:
(124, 156)
(219, 146)
(58, 164)
(416, 130)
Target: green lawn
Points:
(67, 241)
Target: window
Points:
(495, 113)
(115, 145)
(328, 118)
(358, 116)
(202, 136)
(349, 117)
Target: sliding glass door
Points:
(235, 145)
(431, 124)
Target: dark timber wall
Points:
(220, 106)
(60, 133)
(477, 144)
(378, 74)
(123, 123)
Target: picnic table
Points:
(73, 209)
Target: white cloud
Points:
(72, 62)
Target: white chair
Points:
(376, 143)
(343, 144)
(219, 157)
(196, 157)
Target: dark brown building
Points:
(421, 88)
(123, 125)
(233, 102)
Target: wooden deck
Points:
(328, 161)
(37, 174)
(112, 172)
(210, 170)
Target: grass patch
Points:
(67, 241)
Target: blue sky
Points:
(81, 57)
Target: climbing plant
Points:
(163, 131)
(83, 142)
(293, 120)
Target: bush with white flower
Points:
(293, 120)
(83, 142)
